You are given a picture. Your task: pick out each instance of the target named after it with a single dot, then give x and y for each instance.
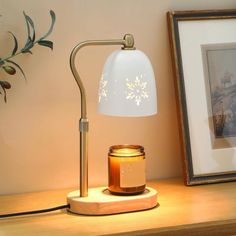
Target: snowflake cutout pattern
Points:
(136, 90)
(102, 89)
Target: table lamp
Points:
(127, 88)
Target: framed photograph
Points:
(203, 45)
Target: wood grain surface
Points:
(199, 210)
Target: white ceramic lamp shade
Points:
(127, 86)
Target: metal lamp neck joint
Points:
(128, 42)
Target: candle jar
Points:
(126, 169)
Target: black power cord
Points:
(35, 212)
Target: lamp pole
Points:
(128, 44)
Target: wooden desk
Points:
(201, 210)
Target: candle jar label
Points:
(132, 173)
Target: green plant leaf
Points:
(28, 46)
(27, 24)
(5, 85)
(46, 43)
(9, 70)
(30, 40)
(53, 18)
(30, 25)
(16, 43)
(15, 64)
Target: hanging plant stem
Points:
(8, 65)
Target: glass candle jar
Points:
(126, 169)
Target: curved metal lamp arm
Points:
(128, 43)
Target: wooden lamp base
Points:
(101, 202)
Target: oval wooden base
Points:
(101, 202)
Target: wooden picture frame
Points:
(203, 45)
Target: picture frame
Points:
(203, 47)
